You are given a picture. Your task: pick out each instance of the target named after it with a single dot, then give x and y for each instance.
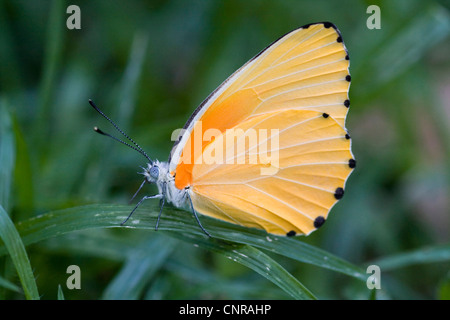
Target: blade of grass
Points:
(130, 81)
(4, 283)
(60, 293)
(420, 256)
(224, 286)
(139, 268)
(100, 244)
(431, 26)
(53, 53)
(23, 175)
(16, 249)
(112, 246)
(95, 216)
(10, 72)
(7, 155)
(62, 221)
(380, 66)
(255, 260)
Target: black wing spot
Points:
(352, 163)
(325, 24)
(339, 39)
(348, 78)
(319, 221)
(347, 136)
(347, 103)
(291, 233)
(325, 115)
(339, 193)
(347, 57)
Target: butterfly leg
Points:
(162, 201)
(138, 204)
(196, 217)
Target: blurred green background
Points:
(148, 64)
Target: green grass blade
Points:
(432, 26)
(60, 293)
(140, 267)
(295, 249)
(94, 216)
(380, 66)
(63, 221)
(255, 260)
(23, 175)
(7, 155)
(4, 283)
(16, 249)
(53, 54)
(130, 80)
(421, 256)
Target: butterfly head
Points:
(152, 172)
(155, 172)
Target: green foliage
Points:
(18, 255)
(63, 188)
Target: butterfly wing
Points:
(285, 182)
(303, 74)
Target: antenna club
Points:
(97, 129)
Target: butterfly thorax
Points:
(158, 173)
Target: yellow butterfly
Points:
(268, 148)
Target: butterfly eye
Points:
(154, 172)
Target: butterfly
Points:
(268, 148)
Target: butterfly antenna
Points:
(96, 129)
